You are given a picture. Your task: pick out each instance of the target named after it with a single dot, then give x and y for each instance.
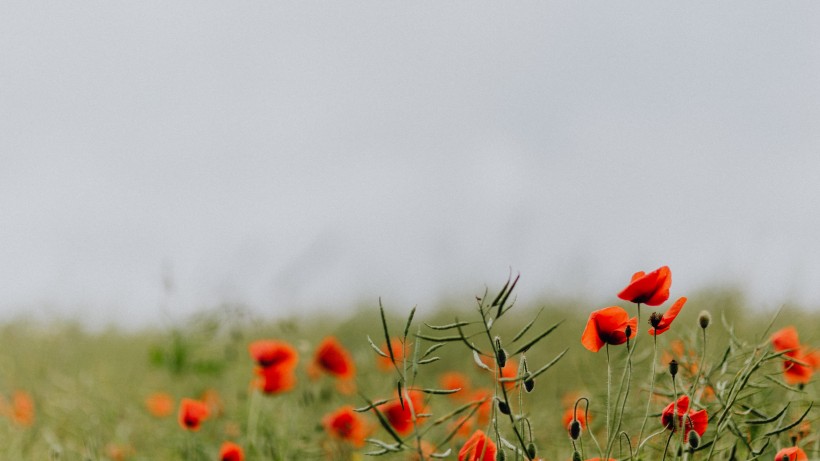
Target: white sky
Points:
(292, 155)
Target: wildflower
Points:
(347, 425)
(455, 380)
(665, 321)
(211, 398)
(607, 326)
(331, 357)
(651, 289)
(274, 380)
(799, 363)
(231, 452)
(271, 353)
(192, 413)
(160, 404)
(791, 454)
(22, 409)
(695, 420)
(479, 447)
(398, 412)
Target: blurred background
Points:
(157, 158)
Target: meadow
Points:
(493, 377)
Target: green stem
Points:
(651, 390)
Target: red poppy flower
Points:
(331, 357)
(792, 454)
(666, 319)
(270, 353)
(346, 424)
(455, 380)
(478, 447)
(607, 326)
(21, 410)
(192, 413)
(274, 380)
(399, 416)
(695, 420)
(785, 339)
(651, 289)
(799, 370)
(231, 452)
(160, 404)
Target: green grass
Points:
(89, 387)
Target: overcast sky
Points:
(292, 155)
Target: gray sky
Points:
(301, 154)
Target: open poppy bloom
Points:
(231, 452)
(608, 326)
(271, 353)
(160, 404)
(695, 420)
(651, 289)
(662, 323)
(800, 369)
(331, 357)
(192, 413)
(791, 454)
(399, 416)
(478, 447)
(347, 425)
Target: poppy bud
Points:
(785, 458)
(500, 455)
(673, 367)
(576, 456)
(704, 319)
(694, 440)
(503, 407)
(531, 450)
(529, 384)
(628, 331)
(655, 320)
(575, 429)
(501, 358)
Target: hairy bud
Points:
(704, 319)
(576, 456)
(503, 407)
(529, 384)
(655, 320)
(500, 455)
(575, 429)
(694, 440)
(673, 367)
(531, 450)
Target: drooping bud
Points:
(575, 429)
(500, 455)
(704, 319)
(576, 456)
(529, 384)
(655, 320)
(673, 367)
(531, 450)
(503, 407)
(694, 440)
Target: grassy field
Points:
(70, 394)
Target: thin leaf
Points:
(370, 406)
(535, 340)
(478, 361)
(448, 326)
(439, 391)
(386, 333)
(431, 349)
(506, 296)
(527, 327)
(409, 321)
(376, 348)
(786, 428)
(430, 360)
(534, 374)
(441, 455)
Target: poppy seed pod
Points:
(529, 384)
(673, 367)
(575, 429)
(655, 319)
(704, 319)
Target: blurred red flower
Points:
(231, 452)
(667, 317)
(398, 348)
(399, 416)
(580, 416)
(607, 326)
(799, 363)
(455, 380)
(160, 404)
(651, 289)
(695, 420)
(331, 357)
(270, 353)
(793, 454)
(478, 447)
(274, 380)
(347, 425)
(192, 413)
